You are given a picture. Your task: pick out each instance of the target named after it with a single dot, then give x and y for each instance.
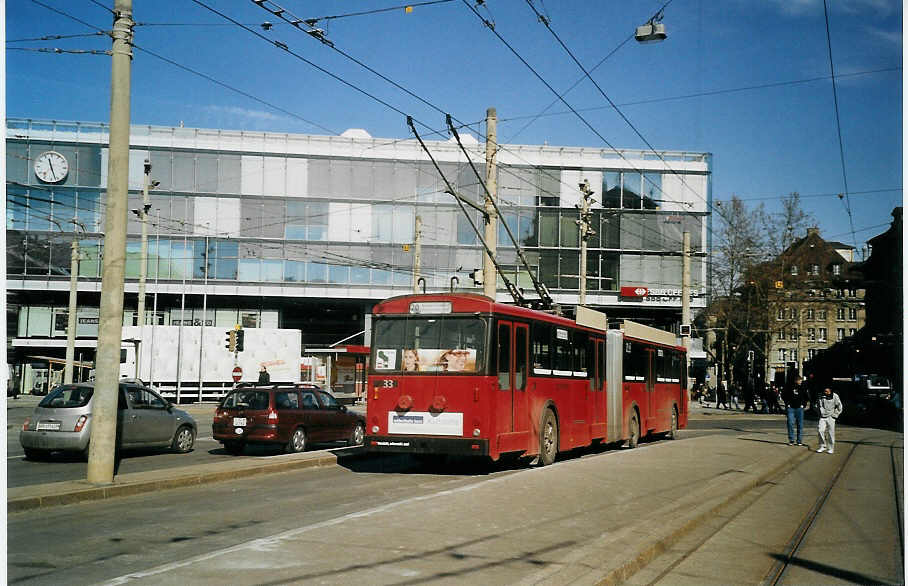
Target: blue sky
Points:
(746, 81)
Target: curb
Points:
(67, 493)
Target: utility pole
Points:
(585, 232)
(71, 316)
(143, 265)
(204, 314)
(685, 294)
(417, 253)
(489, 275)
(110, 328)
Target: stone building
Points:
(816, 300)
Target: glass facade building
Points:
(283, 223)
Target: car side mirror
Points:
(343, 408)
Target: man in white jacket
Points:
(830, 407)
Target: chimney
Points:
(813, 231)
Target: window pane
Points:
(249, 269)
(183, 172)
(318, 272)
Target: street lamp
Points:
(73, 288)
(651, 32)
(142, 214)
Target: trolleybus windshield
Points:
(449, 344)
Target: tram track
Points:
(746, 528)
(777, 572)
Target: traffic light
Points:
(240, 334)
(231, 340)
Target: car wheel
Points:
(356, 437)
(634, 430)
(235, 448)
(297, 441)
(183, 440)
(548, 439)
(33, 454)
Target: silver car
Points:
(62, 421)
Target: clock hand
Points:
(53, 174)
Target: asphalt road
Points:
(61, 467)
(98, 541)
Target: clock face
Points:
(51, 167)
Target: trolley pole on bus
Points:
(489, 275)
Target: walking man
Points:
(830, 407)
(795, 397)
(720, 395)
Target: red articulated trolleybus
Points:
(460, 374)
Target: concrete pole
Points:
(489, 274)
(584, 223)
(143, 263)
(107, 362)
(417, 253)
(204, 315)
(685, 290)
(154, 310)
(71, 317)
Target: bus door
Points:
(512, 369)
(519, 377)
(650, 390)
(597, 381)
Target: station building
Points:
(308, 232)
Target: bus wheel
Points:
(673, 432)
(548, 439)
(634, 429)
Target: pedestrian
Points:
(774, 406)
(264, 377)
(829, 407)
(796, 396)
(749, 396)
(720, 396)
(733, 395)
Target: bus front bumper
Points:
(427, 445)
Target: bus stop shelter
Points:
(341, 369)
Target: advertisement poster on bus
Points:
(428, 360)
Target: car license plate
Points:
(239, 421)
(48, 426)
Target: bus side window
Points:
(520, 357)
(542, 348)
(504, 357)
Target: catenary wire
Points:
(838, 123)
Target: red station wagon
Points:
(289, 415)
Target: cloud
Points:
(245, 113)
(893, 38)
(880, 8)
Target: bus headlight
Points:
(374, 429)
(476, 432)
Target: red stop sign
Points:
(237, 374)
